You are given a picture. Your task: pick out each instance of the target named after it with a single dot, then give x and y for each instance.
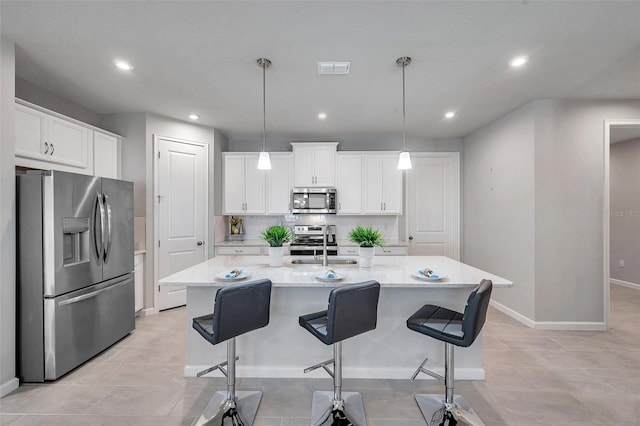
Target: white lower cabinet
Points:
(240, 251)
(138, 281)
(379, 251)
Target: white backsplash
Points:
(387, 225)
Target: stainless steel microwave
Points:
(313, 201)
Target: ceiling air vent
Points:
(334, 68)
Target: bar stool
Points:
(352, 310)
(238, 309)
(457, 329)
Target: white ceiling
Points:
(624, 133)
(200, 57)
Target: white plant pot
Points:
(366, 256)
(276, 256)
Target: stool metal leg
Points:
(437, 408)
(344, 405)
(239, 407)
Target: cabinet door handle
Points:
(46, 148)
(380, 206)
(385, 206)
(52, 149)
(238, 251)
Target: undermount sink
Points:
(318, 261)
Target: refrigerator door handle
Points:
(100, 208)
(92, 294)
(107, 250)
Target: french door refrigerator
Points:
(75, 270)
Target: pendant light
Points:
(264, 162)
(404, 161)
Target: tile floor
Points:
(533, 378)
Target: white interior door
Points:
(182, 211)
(433, 206)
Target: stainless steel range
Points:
(308, 240)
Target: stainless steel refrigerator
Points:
(75, 270)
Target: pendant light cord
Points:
(404, 140)
(264, 108)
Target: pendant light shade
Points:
(264, 161)
(404, 160)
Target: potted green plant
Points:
(367, 239)
(276, 236)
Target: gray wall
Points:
(138, 130)
(498, 205)
(133, 128)
(44, 98)
(568, 161)
(8, 380)
(417, 145)
(625, 210)
(569, 207)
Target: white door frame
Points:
(606, 243)
(457, 202)
(156, 216)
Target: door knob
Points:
(200, 243)
(410, 237)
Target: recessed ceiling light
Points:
(518, 61)
(322, 115)
(193, 116)
(123, 65)
(450, 114)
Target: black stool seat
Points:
(451, 326)
(353, 310)
(238, 309)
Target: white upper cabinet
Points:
(105, 154)
(314, 164)
(349, 182)
(44, 138)
(280, 183)
(382, 183)
(244, 184)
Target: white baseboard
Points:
(146, 312)
(348, 373)
(624, 283)
(9, 386)
(548, 325)
(513, 314)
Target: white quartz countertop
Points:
(390, 271)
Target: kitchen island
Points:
(284, 349)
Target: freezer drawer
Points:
(79, 325)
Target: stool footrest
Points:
(322, 365)
(421, 369)
(216, 367)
